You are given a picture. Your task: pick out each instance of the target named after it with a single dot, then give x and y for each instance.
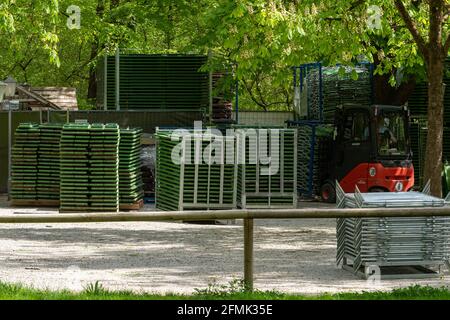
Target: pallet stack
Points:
(130, 176)
(24, 170)
(48, 165)
(89, 167)
(201, 184)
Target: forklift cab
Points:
(370, 149)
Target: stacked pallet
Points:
(48, 165)
(262, 184)
(130, 175)
(24, 169)
(89, 167)
(205, 180)
(365, 242)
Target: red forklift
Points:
(370, 149)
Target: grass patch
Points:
(232, 291)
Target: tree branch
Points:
(412, 28)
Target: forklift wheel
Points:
(328, 192)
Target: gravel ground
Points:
(290, 256)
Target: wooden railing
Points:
(247, 215)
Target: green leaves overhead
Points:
(259, 39)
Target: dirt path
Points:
(290, 255)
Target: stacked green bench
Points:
(203, 184)
(24, 166)
(48, 163)
(130, 177)
(89, 167)
(104, 167)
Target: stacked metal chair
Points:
(365, 242)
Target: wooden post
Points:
(248, 254)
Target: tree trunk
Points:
(433, 158)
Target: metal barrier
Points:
(247, 215)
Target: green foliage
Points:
(257, 40)
(96, 291)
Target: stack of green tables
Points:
(48, 163)
(104, 167)
(89, 167)
(24, 167)
(168, 173)
(130, 177)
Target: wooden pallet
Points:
(35, 203)
(134, 206)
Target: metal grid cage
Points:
(204, 179)
(276, 189)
